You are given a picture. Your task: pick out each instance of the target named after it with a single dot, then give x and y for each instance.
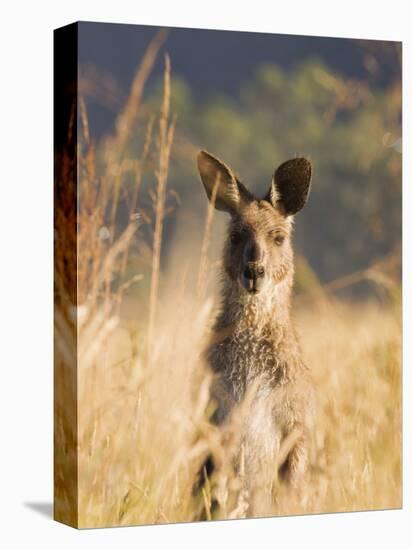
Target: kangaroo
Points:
(254, 342)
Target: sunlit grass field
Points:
(143, 425)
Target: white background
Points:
(26, 270)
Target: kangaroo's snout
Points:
(252, 277)
(253, 270)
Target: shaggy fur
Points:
(254, 341)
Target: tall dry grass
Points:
(142, 389)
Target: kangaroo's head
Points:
(258, 252)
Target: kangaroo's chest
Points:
(246, 356)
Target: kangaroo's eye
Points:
(235, 237)
(279, 239)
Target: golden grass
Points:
(141, 429)
(166, 132)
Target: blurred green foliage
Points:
(350, 129)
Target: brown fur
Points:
(254, 341)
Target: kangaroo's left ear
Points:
(290, 186)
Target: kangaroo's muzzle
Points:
(252, 277)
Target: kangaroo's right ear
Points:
(220, 183)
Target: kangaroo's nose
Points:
(254, 272)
